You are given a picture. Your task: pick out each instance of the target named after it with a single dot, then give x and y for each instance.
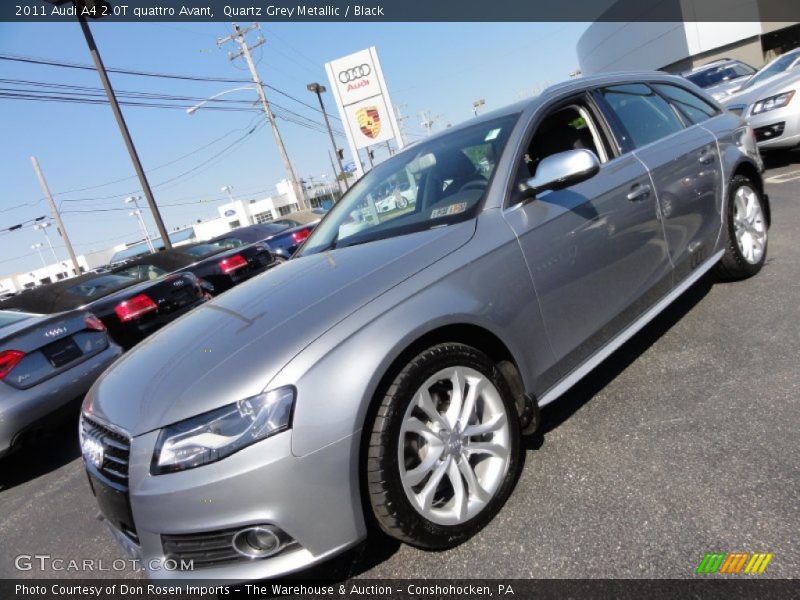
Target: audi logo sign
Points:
(354, 73)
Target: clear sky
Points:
(439, 68)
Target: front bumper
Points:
(21, 411)
(778, 129)
(314, 499)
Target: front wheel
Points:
(443, 448)
(746, 228)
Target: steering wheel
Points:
(476, 184)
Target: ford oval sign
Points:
(230, 212)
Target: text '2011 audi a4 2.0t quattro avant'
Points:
(386, 373)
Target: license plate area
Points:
(114, 505)
(61, 352)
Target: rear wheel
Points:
(443, 448)
(746, 229)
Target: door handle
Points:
(639, 191)
(706, 157)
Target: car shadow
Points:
(780, 158)
(587, 388)
(40, 455)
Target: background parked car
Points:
(219, 264)
(281, 237)
(132, 301)
(785, 62)
(720, 76)
(773, 110)
(47, 363)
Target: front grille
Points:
(203, 549)
(116, 451)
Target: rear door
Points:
(683, 161)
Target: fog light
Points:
(256, 542)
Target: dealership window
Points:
(690, 105)
(263, 217)
(285, 210)
(234, 224)
(645, 115)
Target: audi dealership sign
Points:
(363, 101)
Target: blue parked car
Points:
(282, 236)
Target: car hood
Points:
(769, 87)
(231, 347)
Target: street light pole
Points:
(476, 105)
(138, 213)
(229, 190)
(38, 247)
(43, 228)
(123, 128)
(317, 89)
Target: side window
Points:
(692, 106)
(645, 115)
(567, 128)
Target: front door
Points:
(596, 251)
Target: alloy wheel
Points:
(454, 445)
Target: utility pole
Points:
(239, 36)
(123, 128)
(428, 121)
(56, 215)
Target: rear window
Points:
(229, 243)
(721, 74)
(645, 115)
(142, 272)
(100, 286)
(9, 318)
(202, 250)
(693, 107)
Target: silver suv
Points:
(386, 374)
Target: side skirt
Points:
(590, 363)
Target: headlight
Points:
(214, 435)
(771, 103)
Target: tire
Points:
(408, 502)
(746, 237)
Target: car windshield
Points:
(8, 317)
(779, 65)
(716, 75)
(100, 286)
(434, 183)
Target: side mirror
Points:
(561, 170)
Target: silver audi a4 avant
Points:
(385, 375)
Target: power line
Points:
(196, 78)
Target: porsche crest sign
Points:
(363, 100)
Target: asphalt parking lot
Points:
(685, 441)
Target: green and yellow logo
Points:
(734, 562)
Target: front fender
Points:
(484, 285)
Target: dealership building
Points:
(688, 41)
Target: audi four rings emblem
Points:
(358, 72)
